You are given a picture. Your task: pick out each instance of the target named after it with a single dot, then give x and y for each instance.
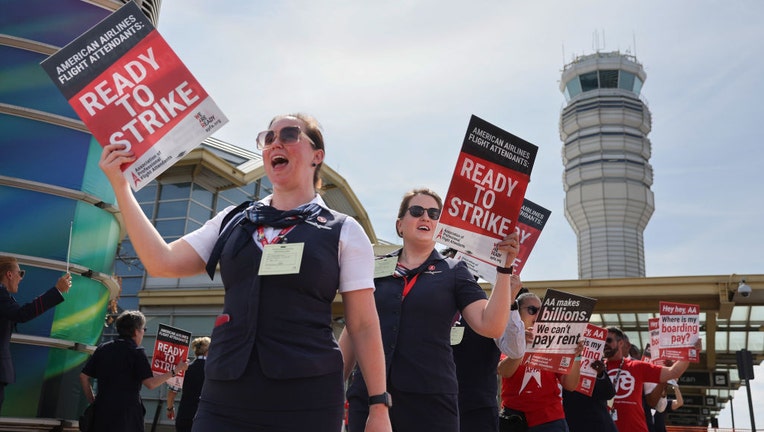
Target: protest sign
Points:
(486, 191)
(652, 352)
(679, 330)
(561, 322)
(170, 348)
(594, 347)
(531, 221)
(129, 87)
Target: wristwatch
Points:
(383, 398)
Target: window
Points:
(573, 88)
(608, 78)
(175, 191)
(589, 81)
(626, 81)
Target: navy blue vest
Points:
(288, 316)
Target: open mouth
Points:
(423, 228)
(278, 160)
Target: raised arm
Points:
(489, 318)
(512, 341)
(654, 396)
(603, 387)
(677, 369)
(679, 401)
(508, 366)
(157, 380)
(177, 259)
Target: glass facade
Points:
(605, 78)
(176, 209)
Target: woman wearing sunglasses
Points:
(273, 363)
(417, 303)
(531, 397)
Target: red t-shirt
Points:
(535, 392)
(628, 383)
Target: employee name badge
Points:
(457, 334)
(384, 267)
(281, 259)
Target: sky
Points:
(394, 84)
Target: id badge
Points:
(281, 259)
(457, 334)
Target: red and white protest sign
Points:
(170, 348)
(562, 320)
(129, 87)
(532, 219)
(652, 352)
(486, 192)
(594, 347)
(679, 330)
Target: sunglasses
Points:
(610, 340)
(418, 211)
(287, 135)
(532, 310)
(22, 273)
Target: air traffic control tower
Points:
(606, 153)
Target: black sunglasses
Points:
(22, 273)
(532, 310)
(610, 340)
(418, 211)
(287, 135)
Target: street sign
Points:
(714, 379)
(695, 379)
(721, 379)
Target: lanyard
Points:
(264, 241)
(618, 375)
(408, 284)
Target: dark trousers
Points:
(184, 425)
(480, 419)
(412, 412)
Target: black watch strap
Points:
(383, 398)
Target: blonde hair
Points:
(200, 345)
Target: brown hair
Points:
(411, 194)
(313, 131)
(128, 322)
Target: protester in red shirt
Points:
(628, 377)
(530, 393)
